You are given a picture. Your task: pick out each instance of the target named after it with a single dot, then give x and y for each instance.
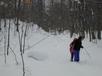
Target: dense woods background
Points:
(77, 16)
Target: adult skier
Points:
(76, 48)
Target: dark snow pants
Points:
(72, 56)
(77, 55)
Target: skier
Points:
(72, 49)
(76, 48)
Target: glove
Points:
(82, 47)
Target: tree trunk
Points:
(8, 38)
(99, 34)
(23, 63)
(0, 24)
(5, 50)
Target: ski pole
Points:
(87, 53)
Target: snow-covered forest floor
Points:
(48, 55)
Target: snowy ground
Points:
(51, 57)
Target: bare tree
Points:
(22, 38)
(22, 33)
(8, 43)
(5, 36)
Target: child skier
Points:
(72, 49)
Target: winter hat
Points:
(80, 37)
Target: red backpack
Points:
(72, 45)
